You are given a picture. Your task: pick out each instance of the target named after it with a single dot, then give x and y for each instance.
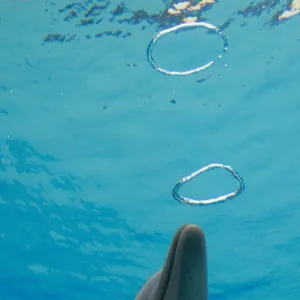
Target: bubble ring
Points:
(177, 28)
(186, 200)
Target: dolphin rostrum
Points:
(184, 275)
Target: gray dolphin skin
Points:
(184, 275)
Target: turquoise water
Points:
(93, 140)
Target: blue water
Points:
(92, 141)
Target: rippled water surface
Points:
(93, 140)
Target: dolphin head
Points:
(184, 275)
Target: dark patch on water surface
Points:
(91, 13)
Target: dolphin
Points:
(184, 274)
